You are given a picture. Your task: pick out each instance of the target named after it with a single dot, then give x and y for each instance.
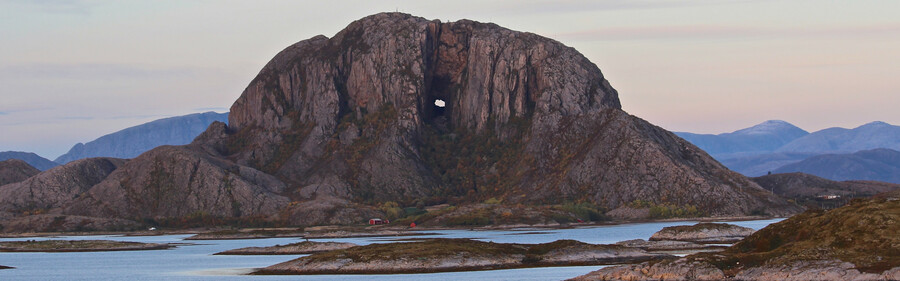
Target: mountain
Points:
(131, 142)
(876, 164)
(32, 159)
(339, 130)
(15, 170)
(839, 140)
(764, 137)
(808, 188)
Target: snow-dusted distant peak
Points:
(771, 127)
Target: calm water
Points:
(196, 262)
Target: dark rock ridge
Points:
(810, 189)
(32, 159)
(854, 242)
(131, 142)
(333, 127)
(15, 170)
(875, 165)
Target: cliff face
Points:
(15, 170)
(527, 119)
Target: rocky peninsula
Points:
(246, 234)
(445, 255)
(302, 248)
(855, 242)
(78, 246)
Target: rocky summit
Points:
(400, 109)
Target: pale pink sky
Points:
(71, 71)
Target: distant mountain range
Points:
(133, 141)
(764, 137)
(775, 146)
(32, 159)
(877, 164)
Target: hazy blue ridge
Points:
(877, 164)
(32, 159)
(131, 142)
(839, 140)
(761, 138)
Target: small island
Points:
(446, 255)
(247, 234)
(707, 233)
(78, 246)
(6, 267)
(302, 248)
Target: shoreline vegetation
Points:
(51, 246)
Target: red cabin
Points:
(378, 221)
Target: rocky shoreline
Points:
(78, 246)
(302, 248)
(854, 242)
(446, 255)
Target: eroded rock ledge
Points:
(444, 255)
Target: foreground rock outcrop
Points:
(15, 170)
(855, 242)
(703, 233)
(443, 255)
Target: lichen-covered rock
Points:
(703, 233)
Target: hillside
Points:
(875, 165)
(809, 189)
(131, 142)
(15, 170)
(32, 159)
